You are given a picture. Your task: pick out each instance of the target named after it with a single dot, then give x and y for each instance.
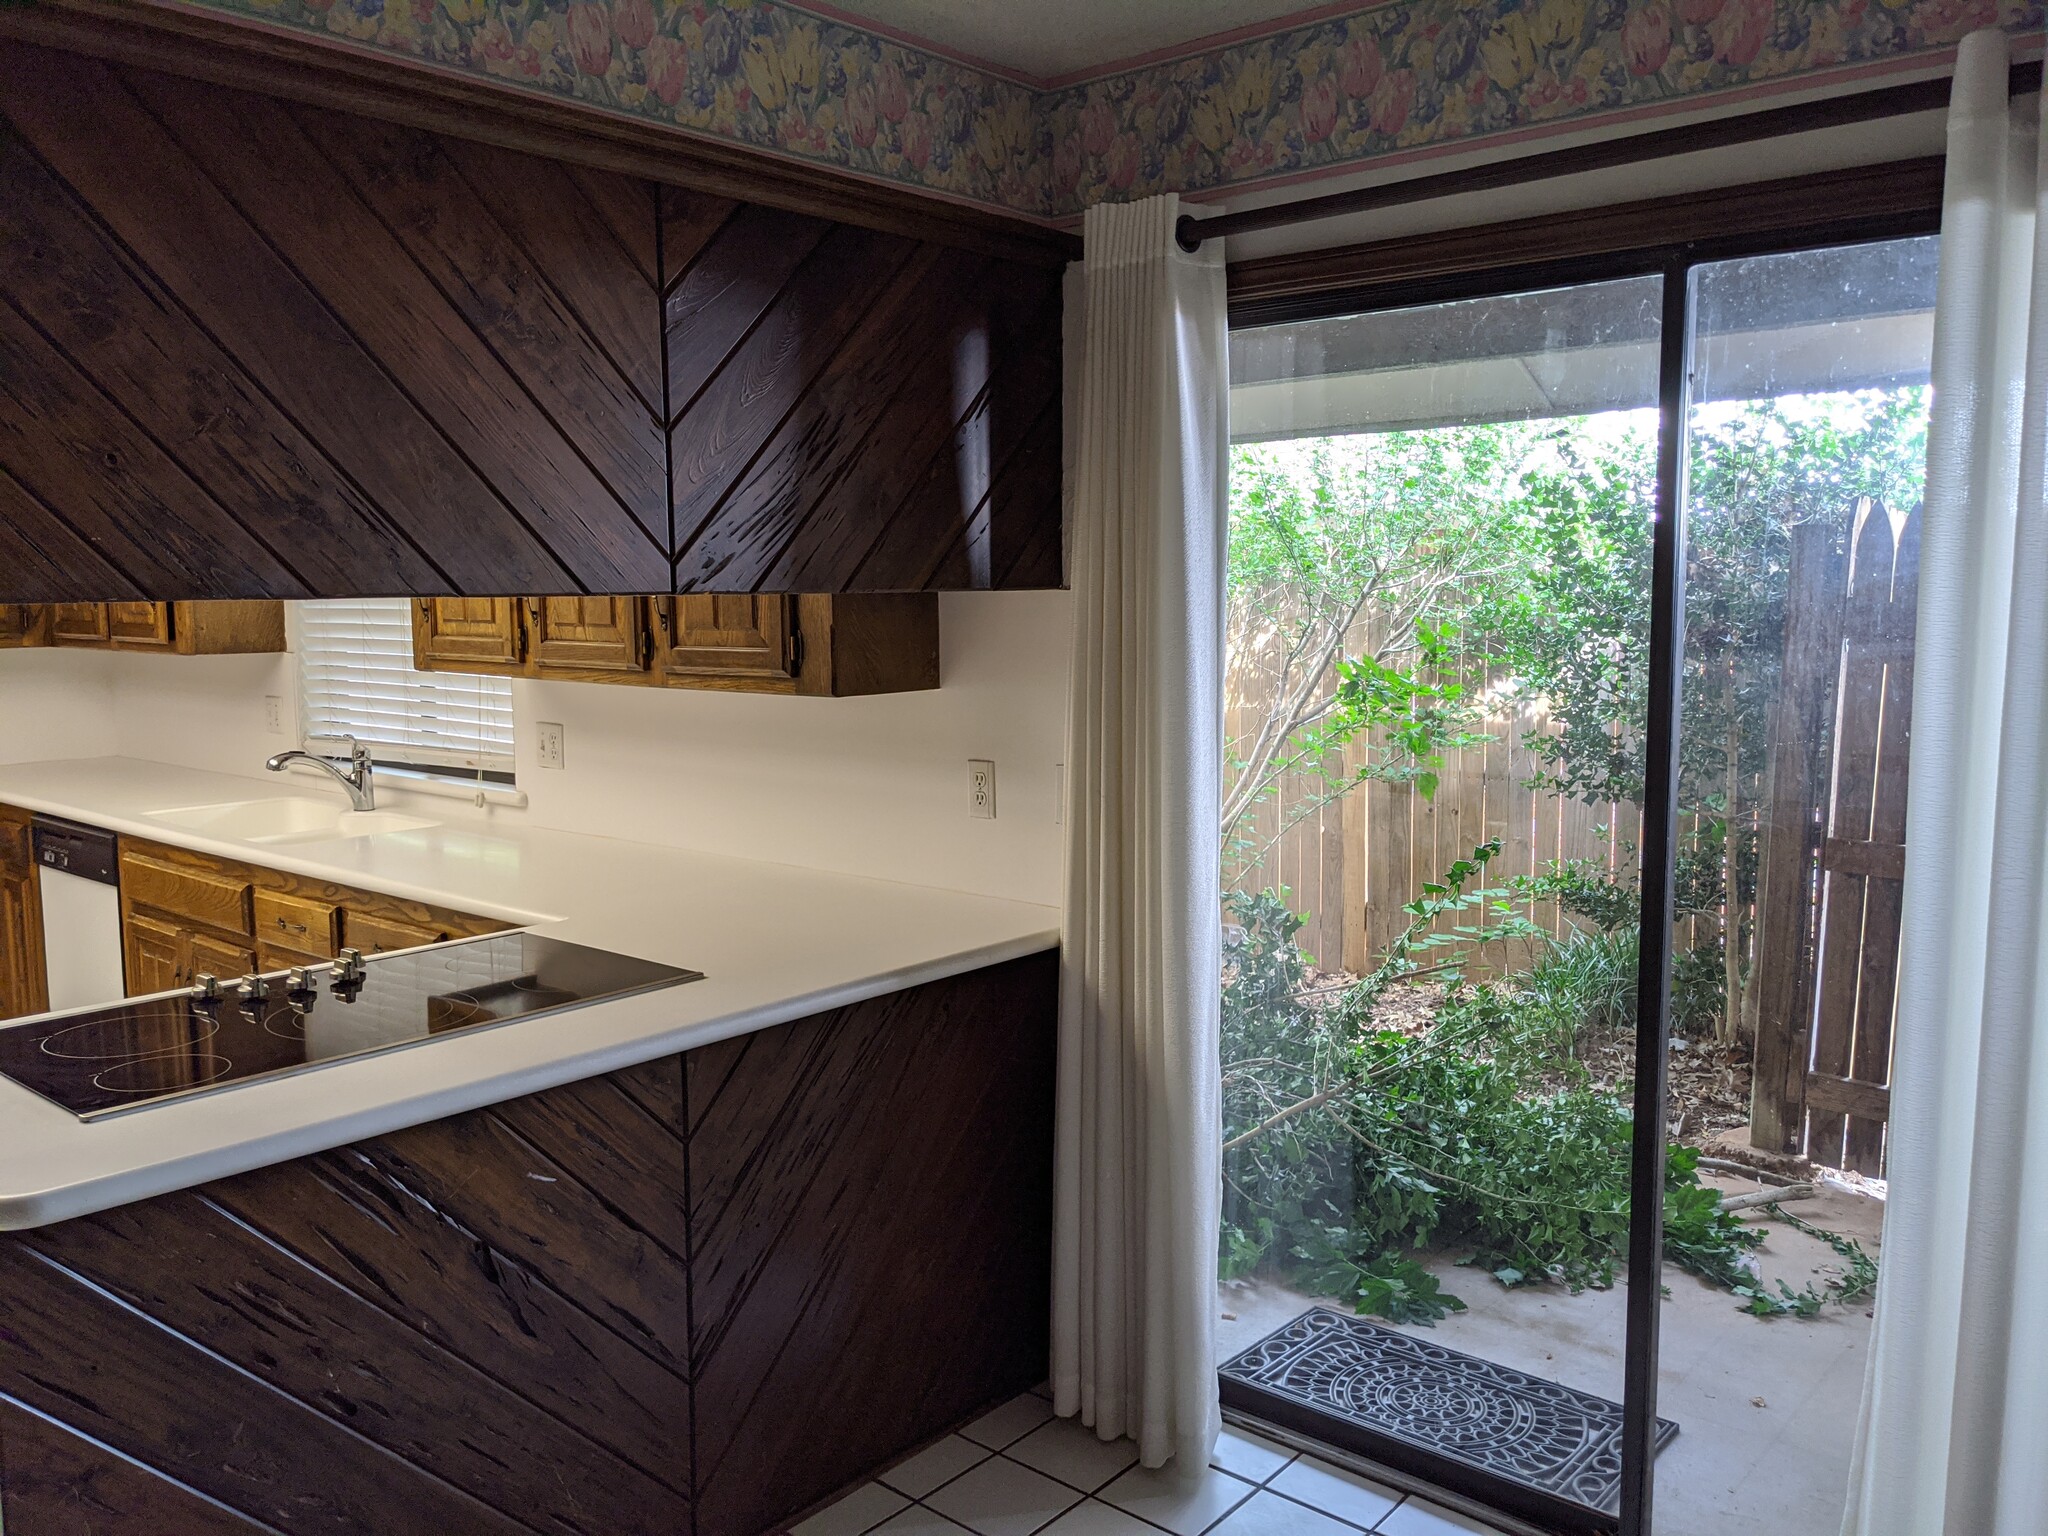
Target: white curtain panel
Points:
(1139, 1156)
(1954, 1435)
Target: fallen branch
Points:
(1770, 1197)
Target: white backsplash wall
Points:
(56, 704)
(871, 786)
(205, 711)
(875, 786)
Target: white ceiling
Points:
(1045, 38)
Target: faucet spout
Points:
(358, 778)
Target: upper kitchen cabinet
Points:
(821, 645)
(23, 624)
(170, 629)
(255, 348)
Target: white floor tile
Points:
(1070, 1452)
(919, 1521)
(1185, 1506)
(1013, 1421)
(1092, 1517)
(1267, 1514)
(1335, 1491)
(1248, 1455)
(1419, 1517)
(1002, 1498)
(938, 1463)
(861, 1510)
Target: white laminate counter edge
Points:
(776, 943)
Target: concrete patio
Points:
(1766, 1407)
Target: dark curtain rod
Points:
(1745, 128)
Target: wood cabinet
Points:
(467, 634)
(724, 639)
(179, 629)
(571, 636)
(78, 624)
(832, 646)
(23, 981)
(23, 624)
(186, 914)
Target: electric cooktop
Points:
(106, 1061)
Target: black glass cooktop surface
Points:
(105, 1061)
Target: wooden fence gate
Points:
(1834, 857)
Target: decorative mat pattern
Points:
(1491, 1417)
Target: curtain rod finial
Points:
(1187, 233)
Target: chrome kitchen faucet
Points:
(356, 779)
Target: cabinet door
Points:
(155, 954)
(23, 624)
(78, 624)
(466, 634)
(588, 634)
(140, 626)
(206, 955)
(729, 635)
(23, 981)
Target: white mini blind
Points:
(356, 678)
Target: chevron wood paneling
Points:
(255, 348)
(819, 1154)
(691, 1297)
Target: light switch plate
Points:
(981, 788)
(548, 743)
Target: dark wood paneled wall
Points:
(697, 1295)
(255, 348)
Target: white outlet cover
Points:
(548, 744)
(273, 714)
(981, 788)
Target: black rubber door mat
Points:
(1504, 1424)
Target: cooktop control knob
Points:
(348, 968)
(298, 981)
(255, 989)
(205, 988)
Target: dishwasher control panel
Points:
(72, 849)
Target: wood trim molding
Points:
(248, 56)
(1863, 202)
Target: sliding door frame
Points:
(1671, 237)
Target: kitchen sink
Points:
(286, 820)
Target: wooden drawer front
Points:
(296, 925)
(214, 900)
(140, 626)
(375, 934)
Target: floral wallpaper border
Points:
(1392, 78)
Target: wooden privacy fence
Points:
(1834, 860)
(1402, 839)
(1823, 946)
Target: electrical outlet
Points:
(981, 788)
(273, 714)
(549, 743)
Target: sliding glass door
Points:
(1560, 860)
(1440, 559)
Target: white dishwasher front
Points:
(81, 898)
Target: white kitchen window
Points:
(356, 678)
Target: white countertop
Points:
(775, 943)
